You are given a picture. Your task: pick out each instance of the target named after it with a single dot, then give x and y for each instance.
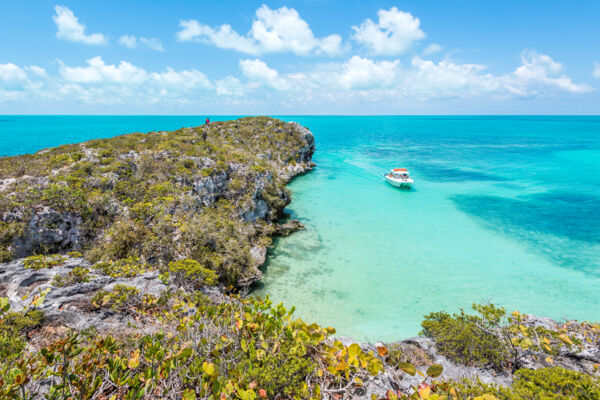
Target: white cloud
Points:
(185, 80)
(273, 31)
(18, 82)
(225, 37)
(39, 71)
(152, 43)
(11, 73)
(229, 86)
(257, 71)
(363, 73)
(596, 72)
(69, 28)
(131, 42)
(431, 49)
(538, 74)
(98, 71)
(125, 73)
(394, 33)
(427, 79)
(341, 84)
(128, 41)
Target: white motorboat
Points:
(399, 177)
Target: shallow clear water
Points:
(505, 209)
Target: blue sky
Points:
(300, 57)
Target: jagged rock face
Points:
(210, 189)
(49, 230)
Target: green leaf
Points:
(244, 345)
(186, 353)
(375, 366)
(208, 368)
(354, 350)
(486, 396)
(4, 304)
(188, 394)
(408, 368)
(435, 370)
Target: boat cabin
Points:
(399, 173)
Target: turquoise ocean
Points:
(504, 209)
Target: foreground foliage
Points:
(240, 349)
(548, 384)
(493, 338)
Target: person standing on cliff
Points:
(207, 122)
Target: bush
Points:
(42, 262)
(547, 384)
(124, 268)
(190, 273)
(399, 353)
(461, 338)
(13, 328)
(243, 349)
(76, 275)
(121, 298)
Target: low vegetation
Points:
(44, 261)
(547, 383)
(493, 338)
(156, 197)
(244, 348)
(73, 277)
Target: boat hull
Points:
(399, 183)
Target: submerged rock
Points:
(289, 227)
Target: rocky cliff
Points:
(211, 194)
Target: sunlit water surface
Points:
(504, 209)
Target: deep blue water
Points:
(504, 209)
(28, 134)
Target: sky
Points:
(300, 57)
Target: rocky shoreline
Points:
(71, 308)
(117, 236)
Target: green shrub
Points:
(76, 275)
(121, 298)
(190, 273)
(544, 384)
(399, 353)
(42, 262)
(126, 268)
(461, 338)
(282, 373)
(13, 329)
(5, 254)
(243, 349)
